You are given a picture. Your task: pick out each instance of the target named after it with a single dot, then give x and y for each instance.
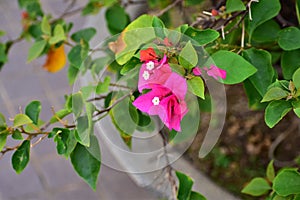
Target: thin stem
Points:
(166, 9)
(169, 168)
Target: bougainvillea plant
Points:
(154, 68)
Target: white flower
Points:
(150, 65)
(155, 101)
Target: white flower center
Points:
(146, 75)
(150, 65)
(155, 101)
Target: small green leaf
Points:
(17, 135)
(188, 57)
(83, 130)
(3, 137)
(85, 34)
(21, 156)
(59, 115)
(275, 93)
(133, 63)
(234, 5)
(2, 120)
(117, 19)
(45, 26)
(65, 141)
(270, 171)
(36, 49)
(196, 86)
(196, 196)
(296, 78)
(262, 61)
(290, 62)
(102, 87)
(3, 53)
(158, 27)
(72, 73)
(202, 37)
(261, 35)
(287, 182)
(32, 110)
(275, 111)
(58, 34)
(177, 68)
(289, 38)
(21, 119)
(237, 68)
(185, 186)
(254, 98)
(76, 58)
(86, 165)
(261, 12)
(77, 104)
(257, 187)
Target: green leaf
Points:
(275, 111)
(188, 57)
(289, 38)
(36, 50)
(196, 86)
(77, 103)
(261, 12)
(287, 182)
(298, 10)
(234, 5)
(72, 74)
(275, 93)
(2, 120)
(17, 135)
(254, 98)
(3, 137)
(131, 64)
(158, 27)
(3, 54)
(65, 141)
(297, 197)
(185, 186)
(257, 187)
(86, 165)
(237, 68)
(103, 87)
(296, 78)
(94, 148)
(202, 37)
(83, 130)
(290, 62)
(21, 119)
(91, 8)
(138, 32)
(261, 35)
(270, 171)
(58, 34)
(59, 115)
(21, 157)
(75, 57)
(196, 196)
(32, 110)
(45, 26)
(84, 34)
(116, 18)
(177, 68)
(262, 61)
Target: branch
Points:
(166, 9)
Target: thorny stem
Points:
(169, 168)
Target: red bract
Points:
(148, 54)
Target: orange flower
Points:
(56, 59)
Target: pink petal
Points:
(158, 75)
(216, 72)
(197, 71)
(177, 84)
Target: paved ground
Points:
(48, 176)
